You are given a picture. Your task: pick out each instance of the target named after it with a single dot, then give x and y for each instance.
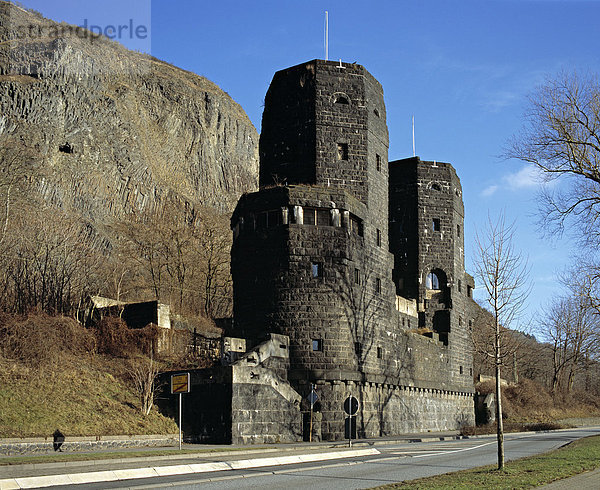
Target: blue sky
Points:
(462, 68)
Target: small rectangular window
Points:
(377, 285)
(323, 217)
(458, 231)
(459, 286)
(317, 269)
(342, 151)
(356, 225)
(378, 162)
(379, 352)
(379, 238)
(469, 291)
(436, 225)
(461, 369)
(310, 216)
(317, 345)
(356, 276)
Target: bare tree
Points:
(47, 262)
(503, 273)
(571, 330)
(515, 345)
(214, 244)
(181, 256)
(561, 138)
(582, 279)
(572, 324)
(143, 372)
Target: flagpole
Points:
(326, 35)
(413, 135)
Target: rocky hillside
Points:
(115, 131)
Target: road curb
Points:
(158, 471)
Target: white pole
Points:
(326, 35)
(413, 131)
(180, 424)
(311, 413)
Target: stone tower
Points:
(427, 240)
(311, 258)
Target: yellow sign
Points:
(180, 383)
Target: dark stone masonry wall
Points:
(427, 224)
(289, 109)
(359, 262)
(263, 407)
(338, 306)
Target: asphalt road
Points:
(394, 463)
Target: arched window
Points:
(436, 187)
(433, 281)
(436, 280)
(341, 98)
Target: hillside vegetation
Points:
(54, 375)
(530, 406)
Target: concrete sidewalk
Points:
(589, 480)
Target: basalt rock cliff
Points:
(115, 131)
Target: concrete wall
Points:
(265, 409)
(386, 409)
(235, 404)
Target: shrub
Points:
(39, 339)
(115, 338)
(527, 394)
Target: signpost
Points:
(180, 383)
(350, 407)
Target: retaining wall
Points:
(43, 445)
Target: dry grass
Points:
(80, 396)
(528, 406)
(51, 378)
